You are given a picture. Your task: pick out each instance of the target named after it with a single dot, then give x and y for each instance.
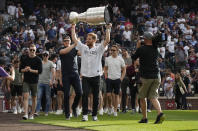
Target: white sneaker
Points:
(110, 111)
(22, 110)
(148, 110)
(137, 109)
(95, 118)
(51, 112)
(15, 111)
(115, 114)
(101, 111)
(85, 118)
(59, 112)
(36, 114)
(31, 117)
(105, 110)
(19, 110)
(46, 114)
(78, 111)
(70, 115)
(25, 117)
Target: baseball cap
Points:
(168, 79)
(46, 52)
(148, 35)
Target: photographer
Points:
(8, 74)
(4, 73)
(149, 72)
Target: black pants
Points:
(133, 92)
(180, 99)
(93, 84)
(124, 85)
(74, 80)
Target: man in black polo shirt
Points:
(70, 76)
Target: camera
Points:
(8, 67)
(159, 39)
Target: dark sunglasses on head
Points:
(32, 50)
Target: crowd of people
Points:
(33, 50)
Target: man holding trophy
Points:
(91, 55)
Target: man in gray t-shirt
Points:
(45, 82)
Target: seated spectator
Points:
(128, 24)
(193, 42)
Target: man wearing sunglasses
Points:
(91, 68)
(45, 82)
(115, 71)
(31, 66)
(70, 75)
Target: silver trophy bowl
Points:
(93, 16)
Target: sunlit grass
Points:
(176, 120)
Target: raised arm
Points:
(73, 32)
(107, 39)
(67, 50)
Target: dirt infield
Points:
(11, 122)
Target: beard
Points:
(89, 44)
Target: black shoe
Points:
(143, 121)
(89, 112)
(133, 111)
(160, 118)
(74, 112)
(139, 111)
(124, 111)
(67, 118)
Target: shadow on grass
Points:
(188, 130)
(103, 125)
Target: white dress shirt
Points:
(91, 64)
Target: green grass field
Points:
(176, 120)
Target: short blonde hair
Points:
(32, 45)
(93, 35)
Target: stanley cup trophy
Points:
(93, 16)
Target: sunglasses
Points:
(45, 55)
(33, 50)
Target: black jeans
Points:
(93, 84)
(74, 80)
(133, 92)
(124, 85)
